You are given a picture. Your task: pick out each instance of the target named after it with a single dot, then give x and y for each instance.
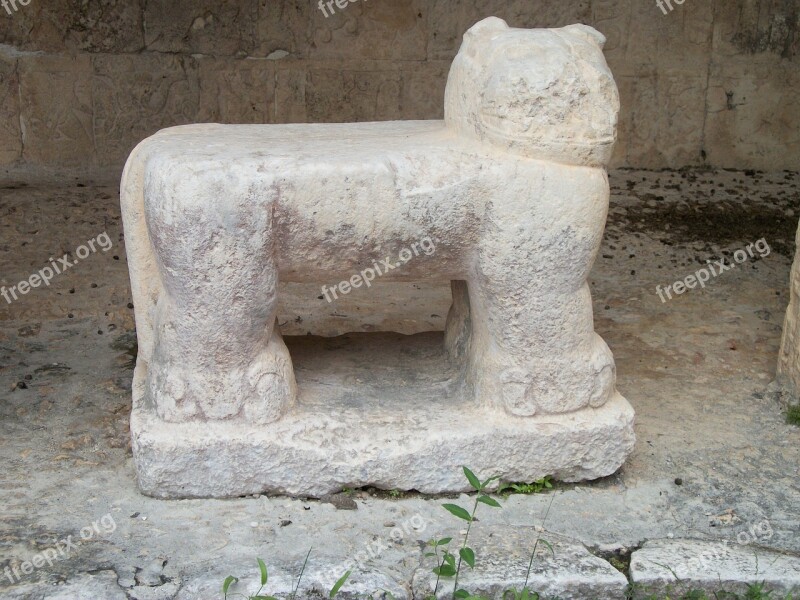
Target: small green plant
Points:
(262, 566)
(448, 566)
(395, 494)
(793, 415)
(538, 486)
(526, 594)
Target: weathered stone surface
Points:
(666, 118)
(236, 91)
(662, 82)
(315, 451)
(318, 579)
(681, 39)
(206, 27)
(733, 63)
(750, 106)
(756, 31)
(754, 78)
(80, 587)
(362, 95)
(302, 310)
(502, 557)
(135, 97)
(290, 95)
(423, 91)
(699, 412)
(57, 109)
(69, 26)
(371, 91)
(107, 26)
(215, 216)
(371, 30)
(285, 26)
(10, 133)
(711, 566)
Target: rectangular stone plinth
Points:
(379, 410)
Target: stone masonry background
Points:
(712, 82)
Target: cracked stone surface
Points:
(665, 565)
(82, 586)
(695, 368)
(503, 556)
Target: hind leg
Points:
(218, 353)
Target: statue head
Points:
(541, 93)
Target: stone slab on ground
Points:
(502, 557)
(316, 584)
(670, 565)
(83, 586)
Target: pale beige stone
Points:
(789, 357)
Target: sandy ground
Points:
(714, 457)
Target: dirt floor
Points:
(714, 456)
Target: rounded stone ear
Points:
(488, 25)
(590, 34)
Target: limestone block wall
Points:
(712, 82)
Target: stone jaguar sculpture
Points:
(512, 188)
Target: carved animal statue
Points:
(510, 185)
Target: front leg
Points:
(533, 347)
